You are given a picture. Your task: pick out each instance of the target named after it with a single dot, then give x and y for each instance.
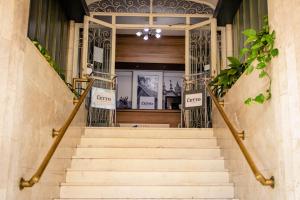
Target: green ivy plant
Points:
(49, 59)
(261, 49)
(227, 77)
(54, 65)
(257, 54)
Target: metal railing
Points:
(198, 117)
(60, 134)
(238, 138)
(99, 117)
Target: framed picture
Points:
(124, 90)
(147, 90)
(172, 89)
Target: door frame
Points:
(114, 26)
(212, 22)
(84, 53)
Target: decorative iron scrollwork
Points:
(181, 7)
(143, 6)
(124, 6)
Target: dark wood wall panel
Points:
(48, 24)
(168, 49)
(171, 117)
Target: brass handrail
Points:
(37, 175)
(258, 175)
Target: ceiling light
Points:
(157, 35)
(148, 33)
(146, 37)
(158, 30)
(139, 33)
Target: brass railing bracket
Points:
(267, 182)
(222, 103)
(75, 101)
(23, 183)
(55, 133)
(242, 135)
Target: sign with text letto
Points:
(193, 100)
(103, 98)
(147, 102)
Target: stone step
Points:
(153, 143)
(147, 164)
(143, 199)
(158, 192)
(146, 178)
(183, 153)
(148, 133)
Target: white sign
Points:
(98, 54)
(206, 67)
(147, 102)
(193, 100)
(103, 98)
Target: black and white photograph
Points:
(147, 90)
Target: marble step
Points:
(158, 192)
(153, 143)
(148, 164)
(143, 199)
(148, 133)
(179, 153)
(146, 178)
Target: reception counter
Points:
(136, 116)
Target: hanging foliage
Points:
(257, 53)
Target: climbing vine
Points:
(49, 59)
(257, 53)
(53, 64)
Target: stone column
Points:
(70, 54)
(214, 47)
(229, 41)
(284, 18)
(13, 32)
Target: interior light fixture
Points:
(146, 37)
(139, 33)
(158, 30)
(147, 33)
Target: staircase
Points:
(147, 163)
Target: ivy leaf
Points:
(248, 101)
(260, 98)
(234, 61)
(249, 32)
(250, 39)
(232, 71)
(274, 52)
(249, 69)
(261, 65)
(244, 51)
(257, 46)
(268, 58)
(262, 74)
(266, 20)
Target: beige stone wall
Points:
(33, 100)
(272, 129)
